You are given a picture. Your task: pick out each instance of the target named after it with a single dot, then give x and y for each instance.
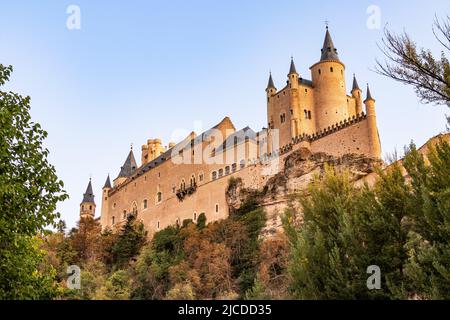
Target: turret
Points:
(294, 99)
(127, 169)
(328, 77)
(87, 206)
(374, 138)
(293, 76)
(357, 94)
(270, 90)
(105, 202)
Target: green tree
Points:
(429, 265)
(346, 230)
(29, 193)
(129, 242)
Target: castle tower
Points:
(105, 202)
(294, 99)
(328, 77)
(127, 169)
(357, 94)
(87, 206)
(271, 90)
(374, 138)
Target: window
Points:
(283, 118)
(135, 210)
(124, 216)
(159, 197)
(177, 222)
(235, 141)
(331, 69)
(82, 208)
(200, 177)
(145, 204)
(174, 189)
(242, 164)
(306, 114)
(309, 115)
(195, 216)
(234, 167)
(157, 226)
(214, 175)
(183, 185)
(113, 220)
(217, 208)
(220, 173)
(227, 170)
(90, 207)
(193, 182)
(114, 205)
(320, 72)
(292, 112)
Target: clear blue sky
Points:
(140, 69)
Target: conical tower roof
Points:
(129, 166)
(88, 196)
(329, 52)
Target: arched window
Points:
(331, 69)
(159, 197)
(124, 215)
(183, 185)
(320, 72)
(227, 170)
(157, 226)
(82, 208)
(220, 173)
(195, 216)
(309, 115)
(135, 209)
(233, 167)
(90, 207)
(113, 220)
(242, 164)
(217, 208)
(193, 182)
(214, 175)
(145, 204)
(200, 177)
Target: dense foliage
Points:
(401, 225)
(29, 193)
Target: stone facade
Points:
(183, 180)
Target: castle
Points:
(183, 180)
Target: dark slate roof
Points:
(129, 166)
(329, 52)
(107, 183)
(305, 82)
(292, 69)
(270, 84)
(237, 138)
(369, 95)
(88, 196)
(355, 84)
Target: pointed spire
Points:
(355, 84)
(329, 52)
(270, 84)
(107, 183)
(88, 196)
(129, 165)
(368, 95)
(292, 69)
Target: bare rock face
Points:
(299, 169)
